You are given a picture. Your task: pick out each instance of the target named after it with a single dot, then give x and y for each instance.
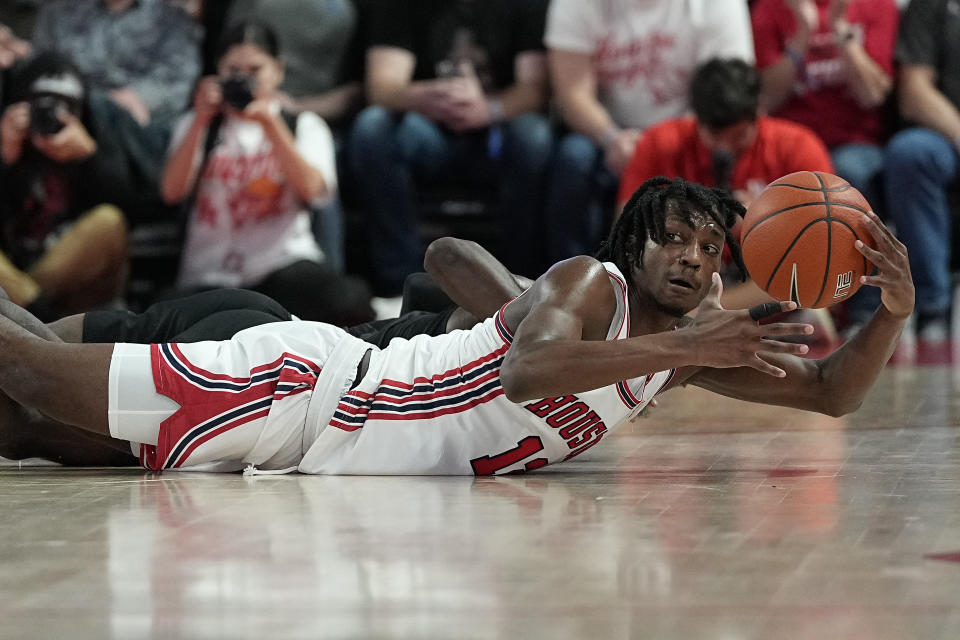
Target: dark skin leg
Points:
(67, 382)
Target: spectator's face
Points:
(735, 138)
(252, 61)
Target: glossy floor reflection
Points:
(710, 519)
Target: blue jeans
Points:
(580, 199)
(919, 166)
(862, 166)
(389, 152)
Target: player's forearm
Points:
(179, 174)
(550, 368)
(850, 371)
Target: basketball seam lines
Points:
(826, 271)
(798, 206)
(823, 190)
(796, 239)
(800, 235)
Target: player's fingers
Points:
(882, 235)
(716, 290)
(789, 348)
(877, 281)
(787, 329)
(763, 366)
(874, 256)
(766, 309)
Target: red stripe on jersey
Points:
(440, 377)
(626, 307)
(185, 455)
(424, 396)
(175, 349)
(436, 413)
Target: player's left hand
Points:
(893, 268)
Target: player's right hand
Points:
(732, 338)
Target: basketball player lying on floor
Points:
(541, 381)
(221, 313)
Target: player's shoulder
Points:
(584, 277)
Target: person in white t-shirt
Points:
(619, 66)
(250, 179)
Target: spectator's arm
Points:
(305, 178)
(575, 81)
(530, 89)
(923, 103)
(781, 63)
(180, 172)
(869, 64)
(869, 83)
(333, 104)
(12, 48)
(390, 80)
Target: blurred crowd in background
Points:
(309, 149)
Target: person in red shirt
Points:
(727, 143)
(828, 64)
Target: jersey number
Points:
(489, 465)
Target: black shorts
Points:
(412, 323)
(210, 315)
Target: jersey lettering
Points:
(578, 424)
(548, 405)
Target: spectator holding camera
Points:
(144, 54)
(64, 180)
(248, 173)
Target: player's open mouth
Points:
(678, 282)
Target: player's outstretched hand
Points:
(723, 338)
(893, 268)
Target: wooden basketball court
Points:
(709, 519)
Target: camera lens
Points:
(238, 91)
(44, 115)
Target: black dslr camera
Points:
(238, 91)
(45, 114)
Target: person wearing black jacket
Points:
(72, 164)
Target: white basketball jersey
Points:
(434, 405)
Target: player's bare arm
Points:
(837, 384)
(474, 279)
(559, 346)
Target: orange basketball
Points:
(798, 239)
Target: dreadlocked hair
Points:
(645, 214)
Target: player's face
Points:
(677, 274)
